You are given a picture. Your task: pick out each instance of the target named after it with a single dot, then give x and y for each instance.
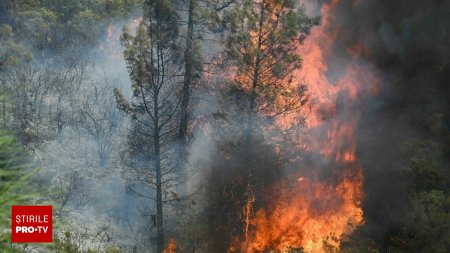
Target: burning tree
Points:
(260, 52)
(261, 49)
(151, 59)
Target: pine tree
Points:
(155, 75)
(261, 53)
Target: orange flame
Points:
(315, 215)
(171, 247)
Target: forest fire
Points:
(250, 126)
(314, 217)
(318, 212)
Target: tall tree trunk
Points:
(187, 81)
(249, 196)
(157, 154)
(252, 98)
(188, 69)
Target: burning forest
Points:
(309, 126)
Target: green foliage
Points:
(424, 225)
(294, 250)
(117, 8)
(113, 250)
(13, 178)
(11, 52)
(67, 244)
(65, 10)
(59, 24)
(426, 175)
(429, 229)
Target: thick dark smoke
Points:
(408, 41)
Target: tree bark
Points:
(249, 196)
(188, 69)
(157, 154)
(252, 98)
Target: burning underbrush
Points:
(314, 205)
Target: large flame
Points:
(314, 217)
(317, 213)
